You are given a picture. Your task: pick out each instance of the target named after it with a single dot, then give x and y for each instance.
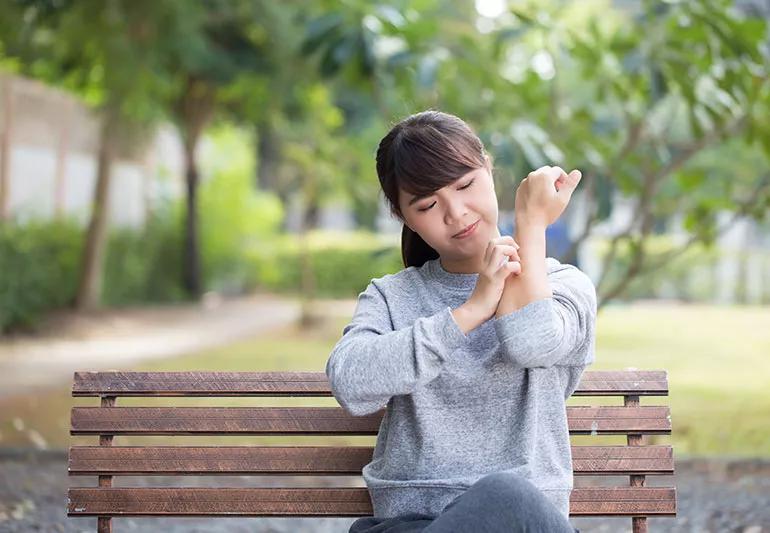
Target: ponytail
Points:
(414, 250)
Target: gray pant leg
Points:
(497, 503)
(406, 523)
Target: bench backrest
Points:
(636, 459)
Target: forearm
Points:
(532, 283)
(369, 365)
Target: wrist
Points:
(468, 317)
(530, 223)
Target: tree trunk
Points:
(268, 154)
(308, 318)
(308, 281)
(90, 284)
(312, 216)
(268, 151)
(191, 270)
(194, 109)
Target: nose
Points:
(455, 212)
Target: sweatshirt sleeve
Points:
(372, 362)
(554, 331)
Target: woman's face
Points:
(438, 218)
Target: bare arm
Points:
(532, 284)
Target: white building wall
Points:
(49, 128)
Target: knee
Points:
(510, 487)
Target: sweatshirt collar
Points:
(435, 271)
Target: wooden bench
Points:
(106, 461)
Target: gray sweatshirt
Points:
(457, 406)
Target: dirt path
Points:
(116, 338)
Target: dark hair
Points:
(421, 154)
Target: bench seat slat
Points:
(592, 383)
(601, 420)
(320, 460)
(298, 502)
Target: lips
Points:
(466, 229)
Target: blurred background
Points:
(191, 186)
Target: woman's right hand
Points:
(483, 301)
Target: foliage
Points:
(664, 104)
(691, 277)
(234, 216)
(342, 263)
(39, 262)
(142, 265)
(634, 95)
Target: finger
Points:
(487, 251)
(514, 267)
(511, 240)
(495, 262)
(570, 183)
(506, 239)
(553, 173)
(575, 176)
(502, 266)
(508, 259)
(508, 249)
(508, 255)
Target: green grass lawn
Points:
(717, 358)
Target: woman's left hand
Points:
(544, 194)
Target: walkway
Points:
(117, 338)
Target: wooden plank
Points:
(219, 501)
(616, 420)
(323, 420)
(601, 420)
(229, 460)
(320, 460)
(201, 384)
(658, 501)
(623, 501)
(593, 383)
(221, 421)
(623, 382)
(622, 460)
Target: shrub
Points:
(38, 269)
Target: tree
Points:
(633, 97)
(218, 41)
(640, 106)
(105, 53)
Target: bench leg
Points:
(104, 525)
(638, 523)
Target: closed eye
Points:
(460, 189)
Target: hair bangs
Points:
(430, 160)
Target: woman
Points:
(471, 349)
